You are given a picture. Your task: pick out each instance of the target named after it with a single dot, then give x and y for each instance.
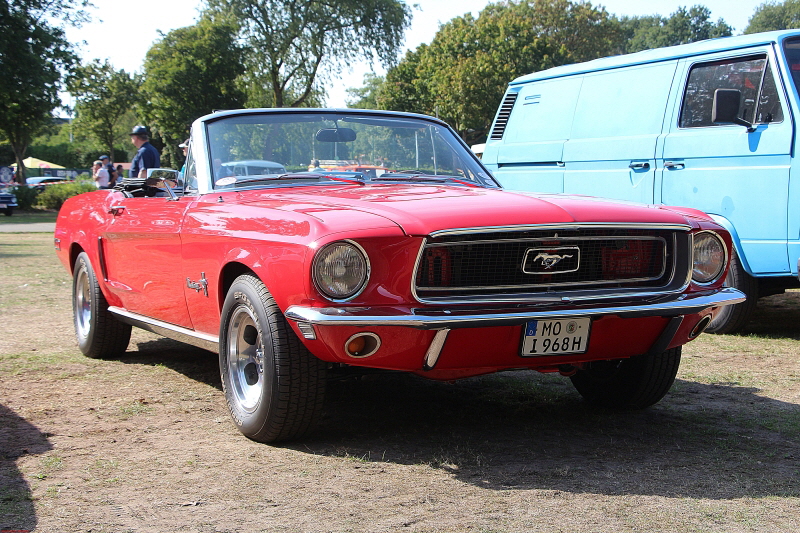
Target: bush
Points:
(26, 196)
(54, 196)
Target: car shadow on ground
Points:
(525, 430)
(18, 438)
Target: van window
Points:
(750, 75)
(792, 50)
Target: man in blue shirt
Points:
(146, 157)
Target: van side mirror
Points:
(725, 109)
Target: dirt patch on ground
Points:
(144, 443)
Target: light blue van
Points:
(710, 125)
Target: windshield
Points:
(261, 149)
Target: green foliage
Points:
(288, 40)
(189, 73)
(26, 196)
(104, 97)
(462, 74)
(54, 196)
(366, 97)
(33, 54)
(682, 27)
(772, 15)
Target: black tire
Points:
(9, 211)
(732, 318)
(633, 383)
(99, 333)
(273, 385)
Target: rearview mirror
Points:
(725, 109)
(335, 135)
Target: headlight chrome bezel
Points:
(325, 252)
(708, 279)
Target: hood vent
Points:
(502, 116)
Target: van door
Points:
(725, 170)
(612, 147)
(530, 157)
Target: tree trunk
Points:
(19, 155)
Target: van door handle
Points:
(673, 164)
(639, 166)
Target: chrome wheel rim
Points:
(245, 359)
(83, 304)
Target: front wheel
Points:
(9, 211)
(633, 383)
(99, 333)
(273, 385)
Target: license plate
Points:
(556, 337)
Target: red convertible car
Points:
(427, 267)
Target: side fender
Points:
(728, 225)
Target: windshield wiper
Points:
(401, 176)
(277, 177)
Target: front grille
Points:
(538, 261)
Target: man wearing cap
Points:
(146, 156)
(112, 173)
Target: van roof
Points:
(661, 54)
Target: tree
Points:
(772, 15)
(104, 97)
(682, 27)
(288, 41)
(34, 53)
(462, 75)
(189, 73)
(366, 97)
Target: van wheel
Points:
(633, 383)
(98, 332)
(273, 385)
(732, 318)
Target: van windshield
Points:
(791, 48)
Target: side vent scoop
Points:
(502, 116)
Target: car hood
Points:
(421, 209)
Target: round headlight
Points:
(341, 270)
(709, 257)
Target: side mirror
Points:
(725, 109)
(335, 135)
(165, 179)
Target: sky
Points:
(122, 32)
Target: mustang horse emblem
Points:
(550, 260)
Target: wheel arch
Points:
(737, 245)
(228, 275)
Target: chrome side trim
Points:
(449, 318)
(575, 225)
(435, 349)
(171, 331)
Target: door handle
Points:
(673, 164)
(639, 166)
(116, 209)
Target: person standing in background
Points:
(112, 173)
(100, 175)
(120, 174)
(146, 156)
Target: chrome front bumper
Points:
(450, 319)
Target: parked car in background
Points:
(8, 202)
(40, 183)
(429, 268)
(710, 125)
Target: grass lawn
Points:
(29, 217)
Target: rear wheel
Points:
(633, 383)
(273, 385)
(732, 318)
(98, 332)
